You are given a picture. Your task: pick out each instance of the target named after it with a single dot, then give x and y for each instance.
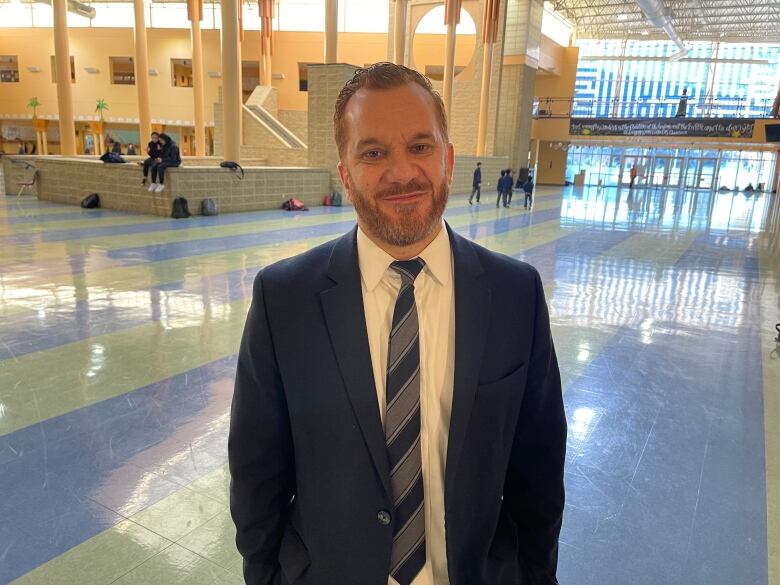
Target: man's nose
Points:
(403, 169)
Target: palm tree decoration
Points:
(101, 107)
(34, 103)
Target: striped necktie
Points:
(402, 429)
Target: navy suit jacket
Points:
(310, 480)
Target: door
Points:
(642, 165)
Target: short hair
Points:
(156, 134)
(381, 76)
(479, 164)
(503, 172)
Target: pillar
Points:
(195, 13)
(231, 82)
(522, 37)
(451, 19)
(142, 74)
(266, 40)
(331, 31)
(489, 35)
(399, 32)
(64, 89)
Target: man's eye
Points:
(421, 147)
(372, 154)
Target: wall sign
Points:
(693, 127)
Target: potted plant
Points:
(39, 125)
(34, 104)
(101, 107)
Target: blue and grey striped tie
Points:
(402, 429)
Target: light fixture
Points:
(153, 72)
(91, 70)
(277, 76)
(214, 74)
(32, 69)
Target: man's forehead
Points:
(409, 107)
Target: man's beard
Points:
(412, 223)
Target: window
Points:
(72, 70)
(181, 72)
(9, 69)
(122, 70)
(303, 76)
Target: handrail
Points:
(709, 107)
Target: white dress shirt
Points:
(435, 297)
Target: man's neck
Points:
(403, 252)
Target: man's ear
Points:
(450, 161)
(345, 180)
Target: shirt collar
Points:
(374, 261)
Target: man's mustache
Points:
(409, 187)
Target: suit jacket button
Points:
(384, 517)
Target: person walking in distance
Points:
(633, 174)
(500, 185)
(375, 437)
(476, 182)
(508, 188)
(528, 189)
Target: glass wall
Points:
(636, 79)
(673, 168)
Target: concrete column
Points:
(39, 142)
(451, 19)
(45, 141)
(231, 82)
(266, 40)
(196, 13)
(522, 37)
(331, 31)
(489, 35)
(142, 73)
(399, 32)
(64, 90)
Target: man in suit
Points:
(375, 438)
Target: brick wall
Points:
(297, 121)
(119, 186)
(325, 83)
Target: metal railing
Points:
(554, 107)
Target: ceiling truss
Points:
(695, 20)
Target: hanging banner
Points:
(693, 127)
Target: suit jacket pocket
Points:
(514, 380)
(293, 555)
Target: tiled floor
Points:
(118, 336)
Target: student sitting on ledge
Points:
(170, 158)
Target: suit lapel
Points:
(472, 312)
(342, 305)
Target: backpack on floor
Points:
(208, 207)
(335, 199)
(180, 208)
(294, 205)
(91, 201)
